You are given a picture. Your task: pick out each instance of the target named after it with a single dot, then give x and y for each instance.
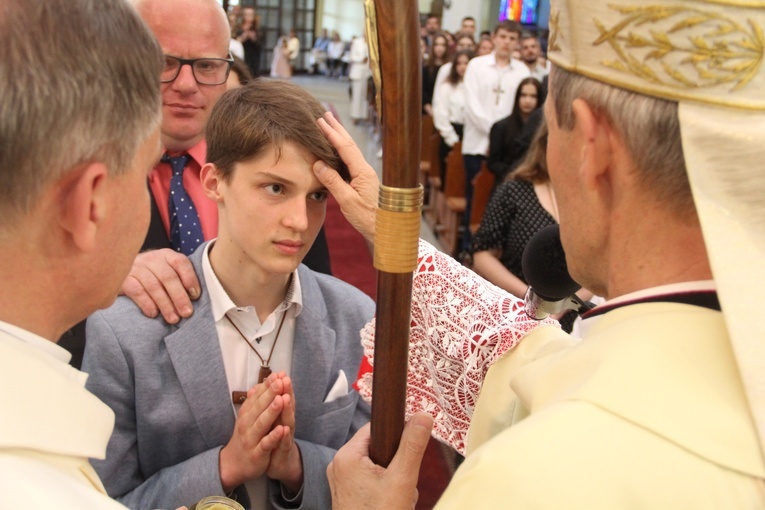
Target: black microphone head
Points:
(544, 266)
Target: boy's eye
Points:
(275, 189)
(319, 196)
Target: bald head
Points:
(202, 32)
(202, 18)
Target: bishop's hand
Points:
(358, 200)
(358, 483)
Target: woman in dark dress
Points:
(519, 207)
(438, 55)
(503, 149)
(248, 33)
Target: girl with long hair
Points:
(503, 147)
(438, 55)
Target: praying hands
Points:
(262, 442)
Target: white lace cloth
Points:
(461, 325)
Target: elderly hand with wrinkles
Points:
(357, 199)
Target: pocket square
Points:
(339, 389)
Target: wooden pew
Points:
(433, 184)
(427, 130)
(453, 205)
(482, 186)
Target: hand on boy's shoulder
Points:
(162, 281)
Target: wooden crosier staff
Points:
(393, 36)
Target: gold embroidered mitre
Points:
(707, 56)
(705, 51)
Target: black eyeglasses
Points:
(206, 71)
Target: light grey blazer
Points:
(167, 386)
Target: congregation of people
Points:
(180, 255)
(484, 100)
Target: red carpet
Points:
(349, 256)
(352, 262)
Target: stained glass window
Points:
(524, 11)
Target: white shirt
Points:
(359, 60)
(539, 72)
(236, 48)
(448, 108)
(489, 96)
(242, 365)
(336, 49)
(50, 348)
(441, 76)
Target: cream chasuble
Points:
(578, 416)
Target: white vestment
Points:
(49, 426)
(646, 411)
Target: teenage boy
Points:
(197, 412)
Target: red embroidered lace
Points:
(461, 325)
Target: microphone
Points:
(551, 288)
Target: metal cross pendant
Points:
(498, 91)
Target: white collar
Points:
(221, 303)
(511, 64)
(662, 290)
(47, 346)
(58, 358)
(672, 288)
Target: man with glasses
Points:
(206, 71)
(197, 66)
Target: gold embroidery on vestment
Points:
(724, 52)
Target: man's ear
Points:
(84, 200)
(211, 181)
(594, 132)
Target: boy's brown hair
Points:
(261, 116)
